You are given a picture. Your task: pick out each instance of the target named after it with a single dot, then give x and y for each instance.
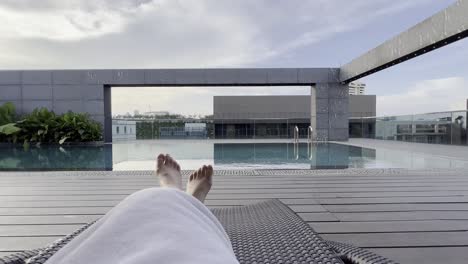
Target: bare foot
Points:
(200, 182)
(168, 171)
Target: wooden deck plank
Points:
(37, 230)
(427, 255)
(351, 208)
(376, 208)
(423, 239)
(400, 216)
(390, 226)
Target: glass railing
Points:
(434, 128)
(232, 127)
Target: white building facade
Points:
(357, 88)
(123, 130)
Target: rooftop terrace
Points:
(411, 216)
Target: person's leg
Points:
(156, 225)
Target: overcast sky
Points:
(51, 34)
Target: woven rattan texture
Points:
(270, 232)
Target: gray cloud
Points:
(169, 33)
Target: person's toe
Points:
(168, 160)
(160, 160)
(210, 170)
(177, 166)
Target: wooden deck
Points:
(411, 216)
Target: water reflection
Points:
(47, 157)
(141, 154)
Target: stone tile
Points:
(321, 90)
(322, 121)
(63, 106)
(67, 92)
(94, 107)
(321, 134)
(338, 120)
(333, 75)
(282, 76)
(10, 92)
(128, 77)
(98, 77)
(322, 106)
(37, 92)
(92, 92)
(338, 134)
(313, 75)
(98, 118)
(339, 106)
(190, 76)
(36, 77)
(30, 105)
(338, 91)
(222, 76)
(159, 77)
(67, 77)
(253, 76)
(10, 77)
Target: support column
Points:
(330, 111)
(313, 112)
(107, 114)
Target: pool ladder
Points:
(296, 135)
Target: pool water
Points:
(140, 155)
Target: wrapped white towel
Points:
(156, 225)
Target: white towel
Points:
(157, 225)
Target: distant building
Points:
(189, 130)
(157, 113)
(274, 116)
(357, 88)
(123, 130)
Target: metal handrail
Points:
(310, 133)
(296, 134)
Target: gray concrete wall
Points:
(89, 91)
(362, 105)
(328, 114)
(279, 106)
(447, 26)
(331, 111)
(283, 106)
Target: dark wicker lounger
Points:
(267, 232)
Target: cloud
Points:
(170, 33)
(427, 96)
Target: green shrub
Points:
(7, 113)
(7, 119)
(44, 126)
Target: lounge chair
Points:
(267, 232)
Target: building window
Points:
(117, 129)
(125, 129)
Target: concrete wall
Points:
(329, 118)
(241, 107)
(362, 105)
(445, 27)
(283, 106)
(330, 111)
(89, 91)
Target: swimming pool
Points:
(140, 155)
